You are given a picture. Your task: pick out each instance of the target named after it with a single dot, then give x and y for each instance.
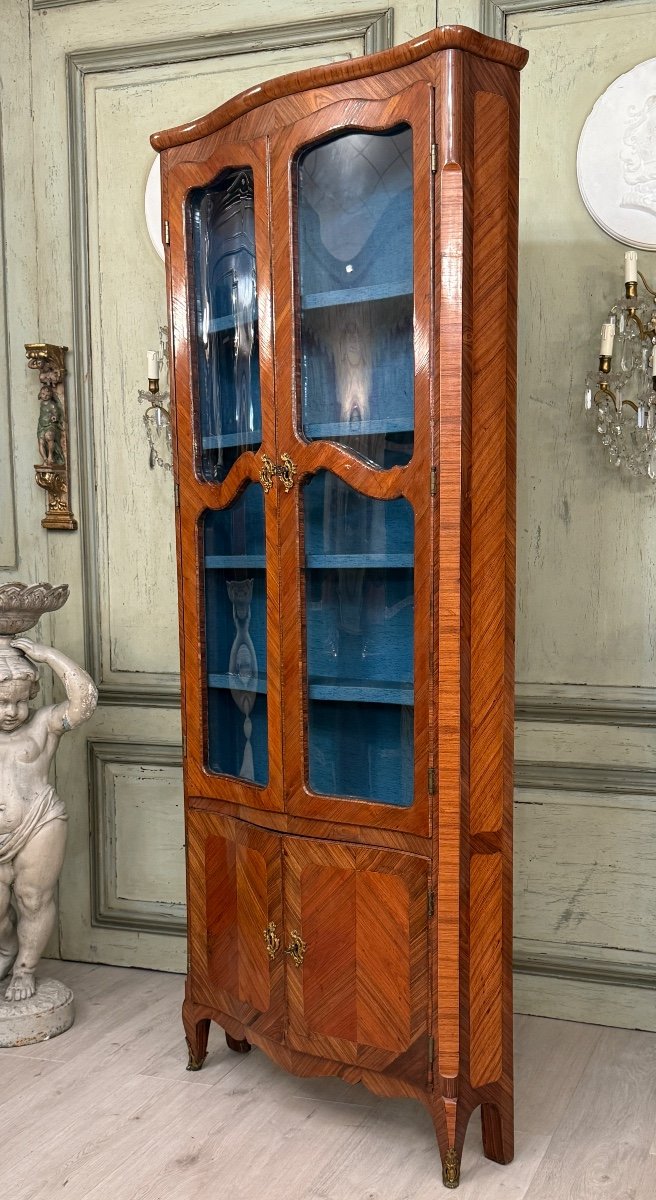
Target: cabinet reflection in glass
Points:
(355, 251)
(359, 595)
(226, 316)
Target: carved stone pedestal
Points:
(49, 1012)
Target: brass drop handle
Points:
(271, 939)
(270, 470)
(296, 949)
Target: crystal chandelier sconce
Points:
(622, 396)
(157, 417)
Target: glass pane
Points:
(355, 226)
(359, 595)
(225, 293)
(235, 638)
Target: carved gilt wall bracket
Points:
(53, 472)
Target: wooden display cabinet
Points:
(341, 267)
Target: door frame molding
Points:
(493, 13)
(375, 27)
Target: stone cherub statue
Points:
(32, 817)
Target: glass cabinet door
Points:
(355, 285)
(235, 638)
(225, 416)
(357, 522)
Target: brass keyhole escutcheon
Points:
(270, 471)
(287, 472)
(296, 948)
(271, 939)
(267, 473)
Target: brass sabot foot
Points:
(194, 1064)
(451, 1169)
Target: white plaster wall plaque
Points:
(153, 207)
(616, 160)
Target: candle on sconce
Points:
(653, 362)
(607, 336)
(631, 266)
(153, 364)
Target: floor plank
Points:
(108, 1111)
(600, 1149)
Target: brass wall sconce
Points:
(157, 417)
(53, 472)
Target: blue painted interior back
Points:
(359, 593)
(362, 750)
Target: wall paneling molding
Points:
(40, 5)
(8, 545)
(586, 705)
(620, 786)
(108, 909)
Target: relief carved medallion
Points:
(616, 160)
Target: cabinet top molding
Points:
(445, 37)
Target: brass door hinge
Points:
(167, 234)
(176, 494)
(434, 158)
(431, 781)
(184, 745)
(431, 903)
(433, 481)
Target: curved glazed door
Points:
(353, 266)
(225, 416)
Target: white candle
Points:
(653, 361)
(607, 335)
(631, 266)
(153, 364)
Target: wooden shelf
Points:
(359, 295)
(232, 681)
(372, 562)
(223, 441)
(219, 324)
(348, 690)
(341, 429)
(238, 562)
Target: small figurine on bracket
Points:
(32, 816)
(50, 429)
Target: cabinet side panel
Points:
(252, 911)
(384, 997)
(221, 910)
(488, 486)
(486, 969)
(329, 928)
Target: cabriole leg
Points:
(197, 1031)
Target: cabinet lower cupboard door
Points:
(235, 920)
(359, 995)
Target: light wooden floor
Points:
(108, 1112)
